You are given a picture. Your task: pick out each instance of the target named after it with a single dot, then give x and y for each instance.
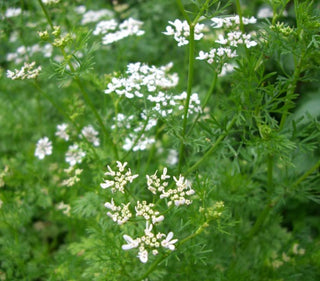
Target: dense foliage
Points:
(159, 140)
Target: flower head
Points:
(44, 147)
(62, 131)
(74, 155)
(131, 243)
(91, 135)
(168, 243)
(26, 72)
(181, 31)
(119, 178)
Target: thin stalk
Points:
(238, 5)
(297, 71)
(259, 222)
(206, 100)
(306, 174)
(82, 90)
(204, 7)
(46, 13)
(182, 10)
(291, 89)
(190, 73)
(213, 147)
(270, 173)
(189, 89)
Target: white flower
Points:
(80, 9)
(131, 243)
(26, 72)
(127, 28)
(265, 12)
(230, 21)
(105, 26)
(50, 2)
(119, 214)
(221, 40)
(119, 178)
(181, 31)
(91, 135)
(62, 131)
(173, 157)
(168, 243)
(93, 16)
(74, 155)
(65, 207)
(143, 256)
(44, 147)
(12, 12)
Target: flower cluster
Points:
(146, 210)
(142, 77)
(26, 72)
(149, 240)
(134, 140)
(62, 132)
(177, 195)
(22, 53)
(44, 147)
(120, 178)
(112, 31)
(73, 174)
(231, 21)
(50, 2)
(149, 86)
(180, 30)
(119, 214)
(3, 174)
(12, 12)
(74, 155)
(93, 16)
(64, 207)
(228, 42)
(91, 135)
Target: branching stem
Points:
(82, 90)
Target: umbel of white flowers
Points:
(149, 240)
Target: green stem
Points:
(203, 8)
(238, 5)
(190, 73)
(259, 222)
(297, 71)
(213, 147)
(270, 173)
(206, 100)
(306, 174)
(291, 88)
(182, 10)
(82, 90)
(46, 13)
(189, 89)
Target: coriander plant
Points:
(159, 140)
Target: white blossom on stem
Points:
(43, 148)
